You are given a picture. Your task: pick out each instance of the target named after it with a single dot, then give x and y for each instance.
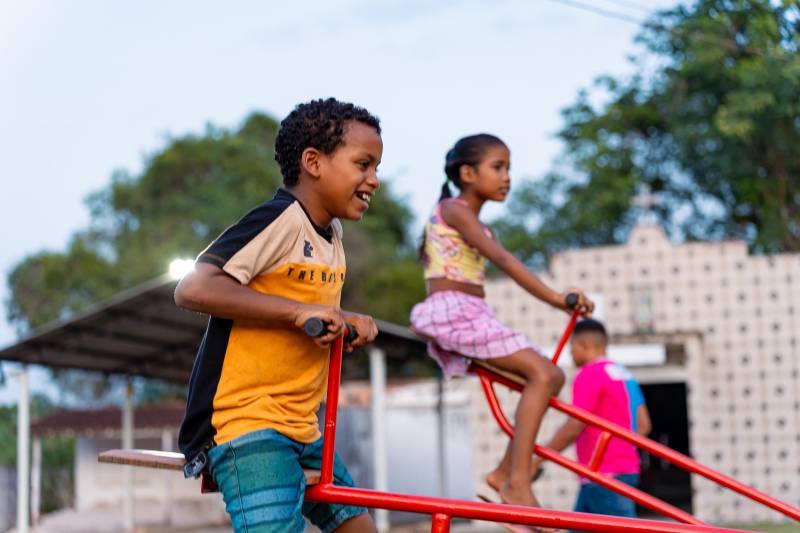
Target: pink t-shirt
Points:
(608, 390)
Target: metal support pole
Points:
(166, 445)
(127, 443)
(440, 523)
(36, 481)
(23, 453)
(441, 442)
(377, 371)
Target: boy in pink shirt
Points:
(608, 390)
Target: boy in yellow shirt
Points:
(258, 379)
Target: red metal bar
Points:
(639, 496)
(440, 523)
(565, 337)
(331, 406)
(599, 451)
(610, 483)
(678, 459)
(516, 514)
(325, 491)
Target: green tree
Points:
(710, 122)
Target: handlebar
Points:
(314, 327)
(572, 300)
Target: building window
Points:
(642, 310)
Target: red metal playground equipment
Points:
(443, 510)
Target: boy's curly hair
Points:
(317, 124)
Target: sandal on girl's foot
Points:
(518, 528)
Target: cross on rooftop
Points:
(646, 200)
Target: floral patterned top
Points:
(446, 255)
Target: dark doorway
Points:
(660, 478)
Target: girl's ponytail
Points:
(445, 191)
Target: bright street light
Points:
(180, 267)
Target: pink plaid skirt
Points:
(463, 325)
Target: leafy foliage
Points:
(713, 129)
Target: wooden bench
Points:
(172, 461)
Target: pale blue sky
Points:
(92, 86)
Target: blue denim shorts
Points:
(260, 475)
(596, 499)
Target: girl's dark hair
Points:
(468, 150)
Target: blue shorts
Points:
(260, 475)
(596, 499)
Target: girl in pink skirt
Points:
(456, 318)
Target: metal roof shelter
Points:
(141, 332)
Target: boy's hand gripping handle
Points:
(314, 327)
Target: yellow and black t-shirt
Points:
(248, 376)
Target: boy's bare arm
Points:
(208, 289)
(563, 438)
(643, 424)
(566, 434)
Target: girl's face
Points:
(490, 179)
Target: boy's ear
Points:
(310, 162)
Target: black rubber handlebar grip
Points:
(571, 300)
(314, 327)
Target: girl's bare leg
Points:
(512, 477)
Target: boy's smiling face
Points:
(348, 176)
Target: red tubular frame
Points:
(488, 377)
(442, 510)
(610, 483)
